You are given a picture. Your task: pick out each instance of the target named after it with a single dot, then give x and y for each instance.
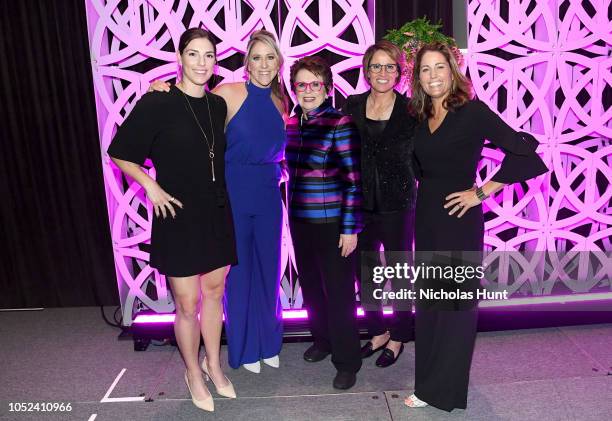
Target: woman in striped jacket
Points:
(325, 216)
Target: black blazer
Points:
(391, 156)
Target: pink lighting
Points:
(302, 314)
(553, 85)
(550, 299)
(154, 318)
(295, 314)
(118, 45)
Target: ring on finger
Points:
(171, 199)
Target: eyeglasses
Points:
(390, 68)
(315, 86)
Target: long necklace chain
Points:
(211, 148)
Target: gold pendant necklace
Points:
(211, 148)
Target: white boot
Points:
(253, 367)
(272, 361)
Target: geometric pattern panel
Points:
(133, 42)
(545, 67)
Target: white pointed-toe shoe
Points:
(227, 390)
(272, 361)
(205, 404)
(253, 367)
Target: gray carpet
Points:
(70, 355)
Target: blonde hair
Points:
(461, 89)
(268, 39)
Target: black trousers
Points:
(395, 232)
(445, 338)
(328, 286)
(443, 355)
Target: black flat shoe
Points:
(344, 380)
(314, 354)
(388, 358)
(367, 351)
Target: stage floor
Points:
(71, 356)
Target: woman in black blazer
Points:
(389, 192)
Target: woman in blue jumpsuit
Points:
(255, 148)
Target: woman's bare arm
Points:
(161, 200)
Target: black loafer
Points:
(367, 351)
(314, 354)
(344, 380)
(388, 358)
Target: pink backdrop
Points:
(553, 82)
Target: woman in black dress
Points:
(192, 239)
(389, 192)
(448, 143)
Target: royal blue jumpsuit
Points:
(255, 147)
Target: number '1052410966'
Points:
(40, 407)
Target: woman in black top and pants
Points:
(448, 145)
(389, 191)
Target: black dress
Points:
(161, 127)
(446, 162)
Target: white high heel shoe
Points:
(272, 361)
(226, 391)
(253, 367)
(205, 404)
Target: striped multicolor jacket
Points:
(324, 177)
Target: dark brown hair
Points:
(392, 50)
(268, 39)
(195, 33)
(461, 89)
(316, 65)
